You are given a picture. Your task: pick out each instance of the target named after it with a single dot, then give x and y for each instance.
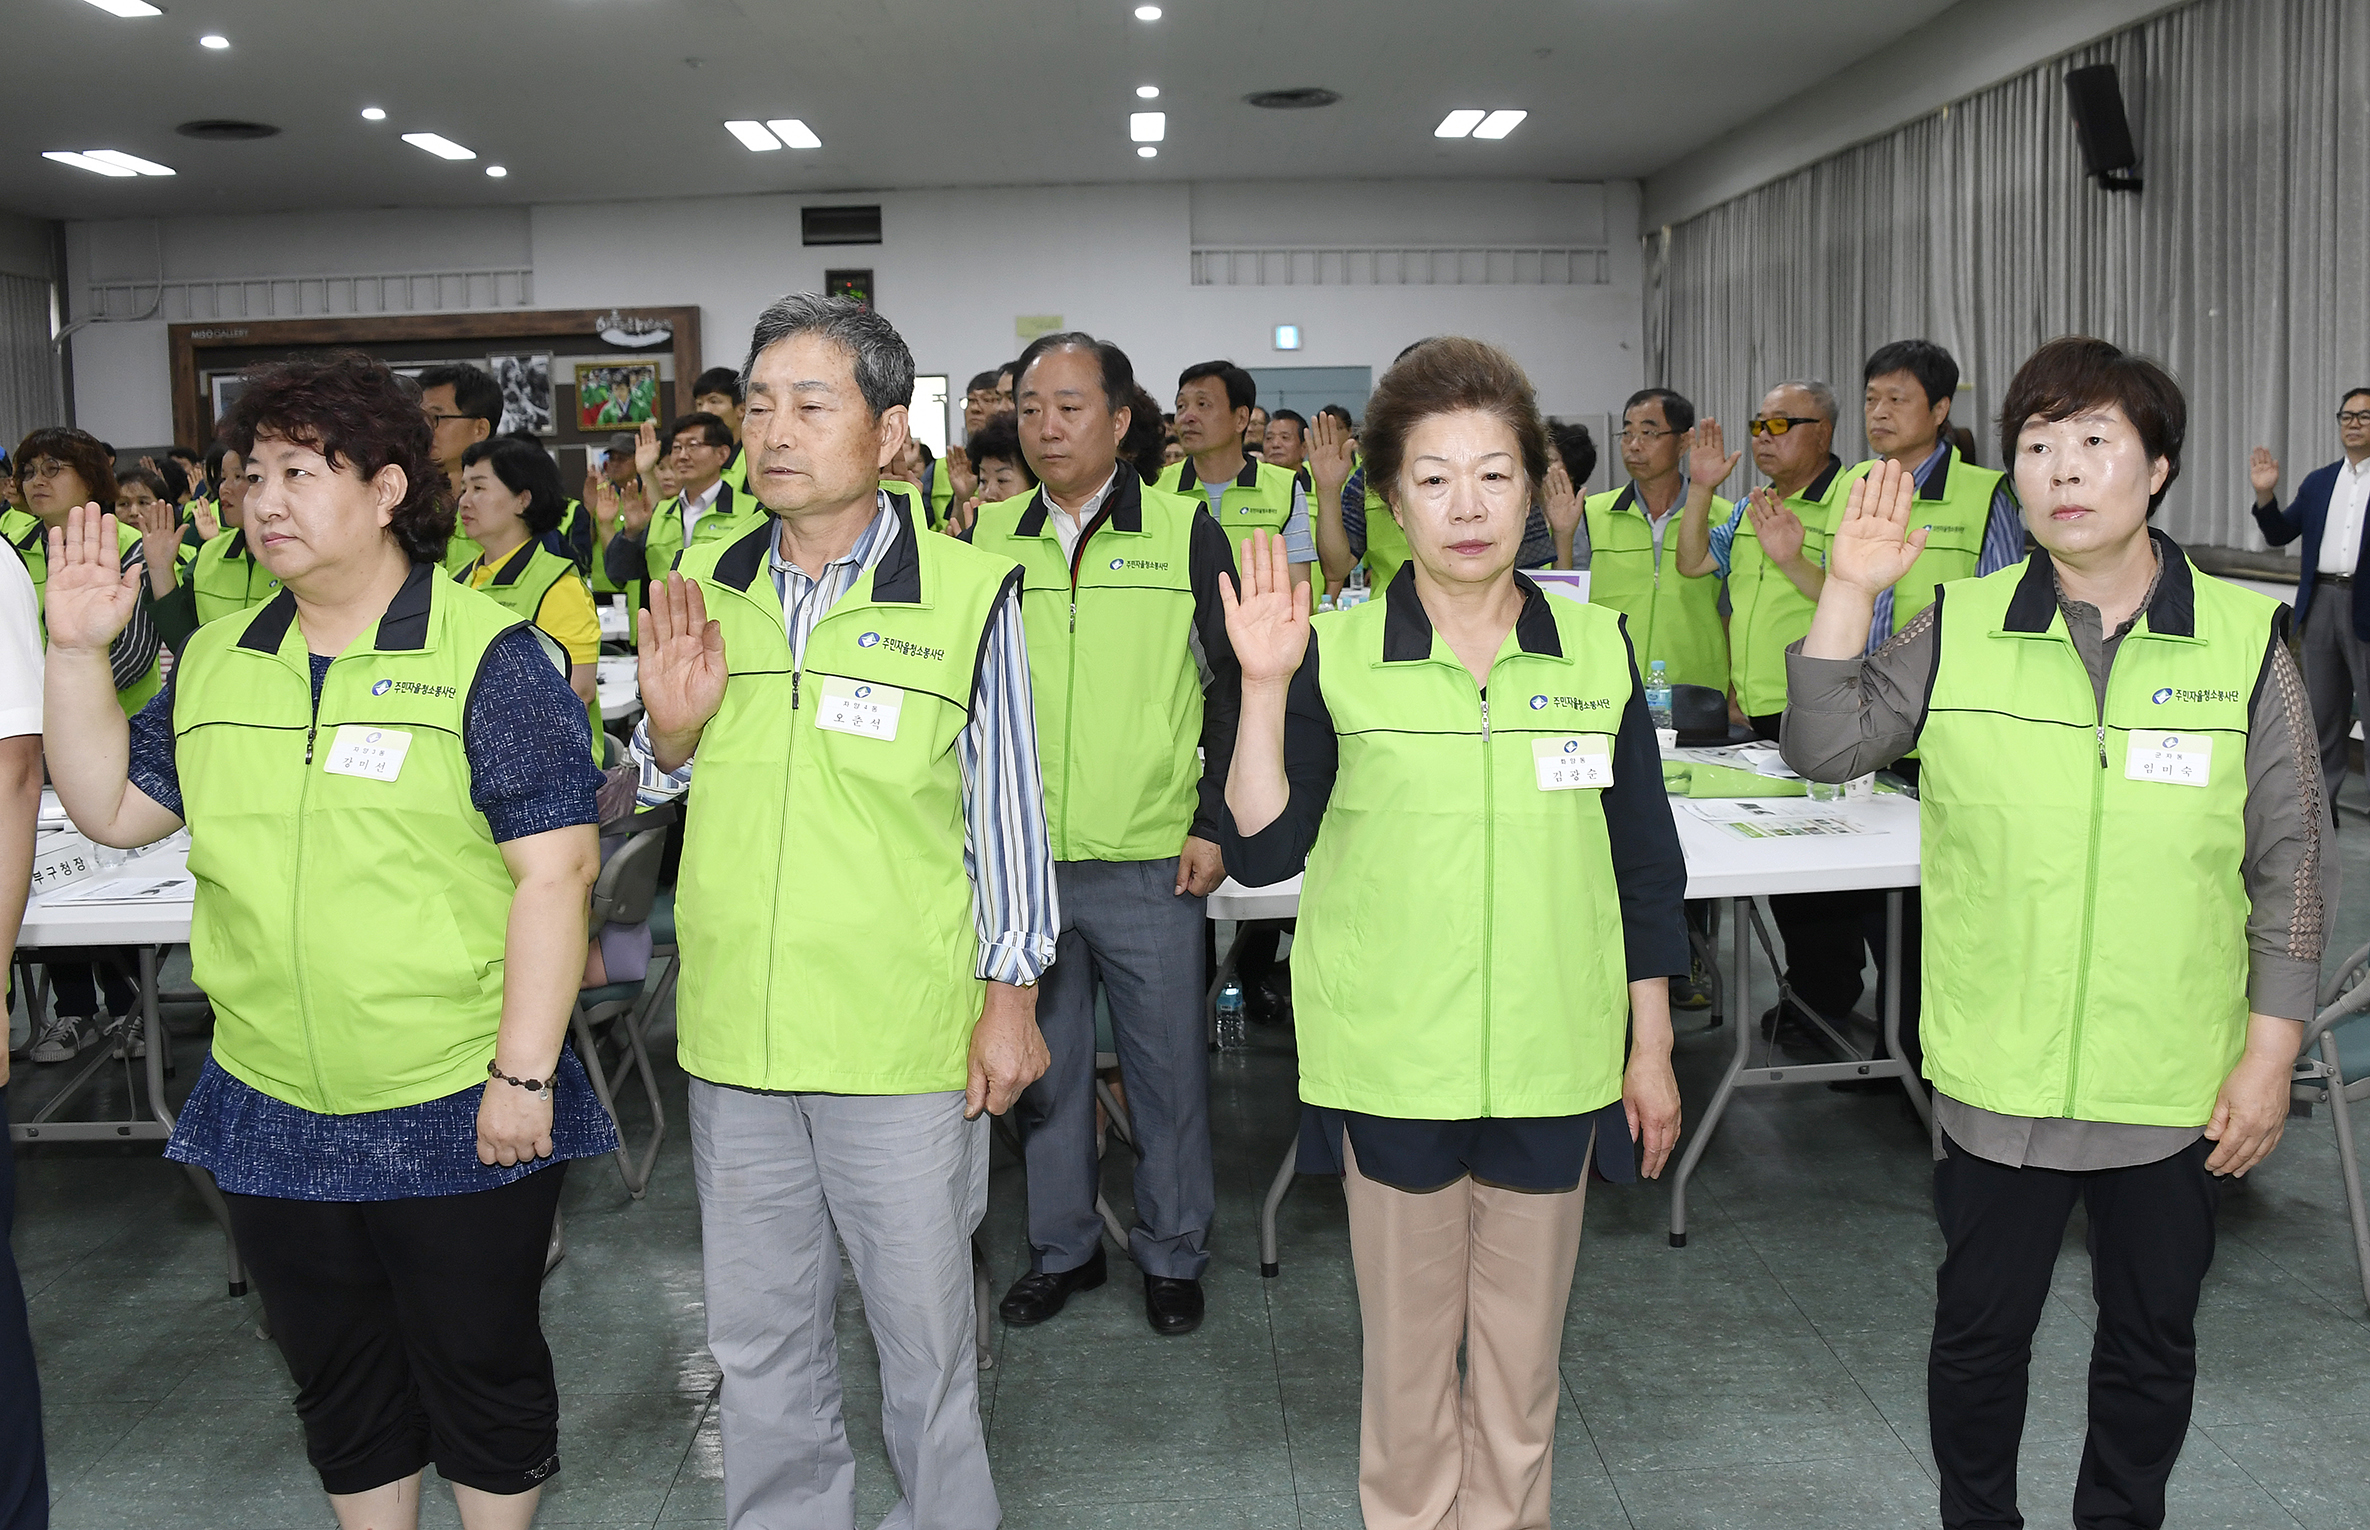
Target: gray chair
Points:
(2333, 1067)
(617, 1016)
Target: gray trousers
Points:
(1122, 922)
(903, 1181)
(2336, 673)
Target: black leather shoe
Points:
(1172, 1306)
(1037, 1296)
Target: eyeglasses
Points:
(1779, 424)
(1640, 437)
(435, 420)
(46, 467)
(2353, 416)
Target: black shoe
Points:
(1694, 991)
(1270, 1000)
(1037, 1295)
(1172, 1306)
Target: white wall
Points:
(953, 271)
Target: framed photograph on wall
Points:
(223, 390)
(849, 284)
(526, 392)
(615, 395)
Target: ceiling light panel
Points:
(439, 145)
(496, 171)
(1148, 92)
(127, 8)
(1147, 152)
(214, 40)
(131, 162)
(1499, 124)
(794, 132)
(85, 162)
(1148, 127)
(1147, 13)
(374, 114)
(1458, 124)
(753, 136)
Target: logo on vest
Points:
(1571, 703)
(863, 691)
(413, 688)
(1571, 746)
(868, 640)
(1147, 563)
(2169, 693)
(899, 645)
(385, 686)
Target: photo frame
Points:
(615, 395)
(526, 393)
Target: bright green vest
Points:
(2085, 933)
(1460, 949)
(1386, 543)
(1671, 617)
(942, 491)
(519, 586)
(23, 531)
(1259, 498)
(1955, 505)
(225, 579)
(825, 916)
(349, 931)
(727, 520)
(923, 511)
(1766, 611)
(1111, 669)
(736, 470)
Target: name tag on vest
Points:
(2178, 759)
(373, 753)
(1573, 764)
(859, 707)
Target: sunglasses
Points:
(1779, 424)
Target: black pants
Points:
(413, 1330)
(2151, 1241)
(24, 1479)
(74, 988)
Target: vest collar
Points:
(509, 572)
(1815, 491)
(1188, 480)
(403, 629)
(896, 577)
(1407, 629)
(1937, 483)
(236, 547)
(2172, 610)
(1122, 510)
(1627, 499)
(34, 535)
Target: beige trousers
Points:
(1489, 1268)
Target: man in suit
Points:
(2327, 513)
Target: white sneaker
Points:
(131, 1039)
(63, 1039)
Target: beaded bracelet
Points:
(530, 1085)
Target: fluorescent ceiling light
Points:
(131, 162)
(1147, 13)
(127, 7)
(85, 162)
(1287, 337)
(439, 145)
(1147, 152)
(1458, 123)
(374, 114)
(794, 132)
(1499, 124)
(1147, 92)
(1148, 127)
(214, 40)
(753, 136)
(496, 171)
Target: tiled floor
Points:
(1769, 1375)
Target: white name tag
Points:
(2180, 759)
(375, 753)
(1583, 763)
(859, 707)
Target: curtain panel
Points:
(28, 365)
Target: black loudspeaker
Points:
(2097, 99)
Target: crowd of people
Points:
(960, 743)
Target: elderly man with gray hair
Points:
(867, 901)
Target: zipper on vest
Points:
(2098, 802)
(1489, 821)
(296, 904)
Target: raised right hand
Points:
(633, 503)
(207, 517)
(1874, 547)
(682, 669)
(1562, 503)
(1268, 622)
(90, 595)
(646, 448)
(1330, 452)
(1778, 529)
(2263, 474)
(1709, 462)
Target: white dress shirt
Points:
(2341, 534)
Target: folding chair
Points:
(627, 893)
(2333, 1066)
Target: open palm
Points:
(1268, 622)
(89, 595)
(1874, 547)
(682, 670)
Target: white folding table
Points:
(617, 676)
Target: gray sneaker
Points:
(63, 1039)
(131, 1038)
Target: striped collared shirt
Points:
(1014, 905)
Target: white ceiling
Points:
(588, 100)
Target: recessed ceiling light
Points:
(127, 7)
(1499, 124)
(439, 145)
(1458, 123)
(794, 132)
(496, 171)
(1147, 13)
(374, 114)
(85, 162)
(131, 162)
(1147, 152)
(1148, 127)
(214, 40)
(1147, 92)
(753, 136)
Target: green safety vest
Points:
(1766, 611)
(1956, 504)
(728, 519)
(519, 587)
(1671, 617)
(24, 531)
(349, 930)
(1460, 950)
(1112, 675)
(942, 491)
(824, 912)
(1259, 498)
(916, 505)
(736, 469)
(226, 579)
(2085, 932)
(1386, 542)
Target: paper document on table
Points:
(1761, 759)
(132, 889)
(1794, 828)
(1774, 817)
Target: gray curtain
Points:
(2244, 266)
(28, 366)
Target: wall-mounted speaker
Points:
(2097, 98)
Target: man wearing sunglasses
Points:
(2328, 513)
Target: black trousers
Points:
(413, 1329)
(24, 1478)
(2151, 1241)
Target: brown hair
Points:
(354, 411)
(85, 453)
(2074, 373)
(1442, 376)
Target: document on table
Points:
(129, 889)
(1761, 759)
(1774, 818)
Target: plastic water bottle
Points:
(1234, 1033)
(1658, 695)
